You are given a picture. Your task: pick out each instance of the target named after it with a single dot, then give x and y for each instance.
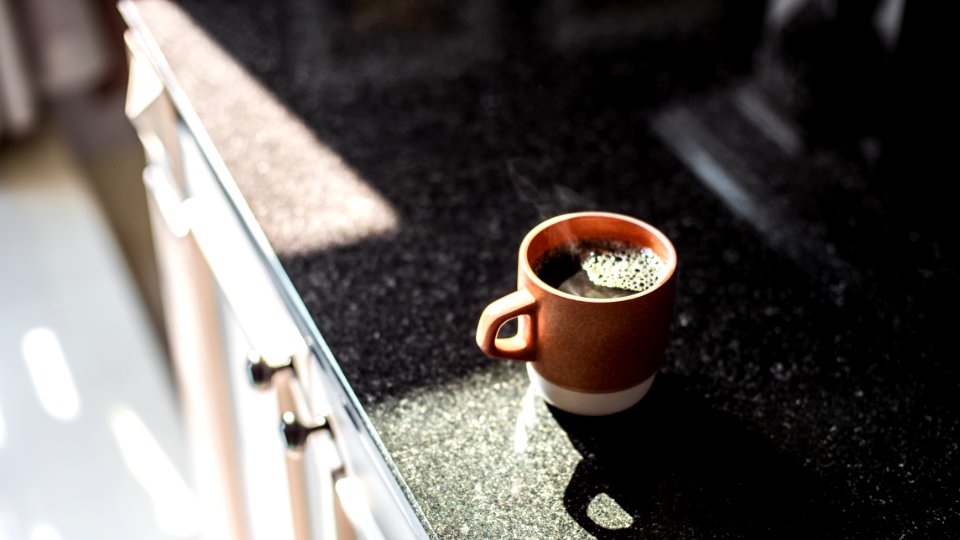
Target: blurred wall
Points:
(64, 60)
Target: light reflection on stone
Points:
(526, 420)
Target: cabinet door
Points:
(260, 451)
(190, 308)
(285, 450)
(291, 455)
(259, 342)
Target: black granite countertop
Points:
(807, 386)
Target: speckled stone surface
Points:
(810, 386)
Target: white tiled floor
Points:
(91, 444)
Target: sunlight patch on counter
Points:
(303, 193)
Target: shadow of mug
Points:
(677, 467)
(614, 467)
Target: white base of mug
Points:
(587, 403)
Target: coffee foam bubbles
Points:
(631, 269)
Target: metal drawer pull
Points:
(295, 433)
(260, 372)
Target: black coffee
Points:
(599, 268)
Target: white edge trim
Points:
(587, 403)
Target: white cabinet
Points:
(279, 442)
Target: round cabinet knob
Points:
(295, 433)
(260, 373)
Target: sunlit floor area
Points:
(91, 443)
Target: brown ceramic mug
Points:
(586, 356)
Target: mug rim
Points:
(544, 225)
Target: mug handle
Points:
(511, 306)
